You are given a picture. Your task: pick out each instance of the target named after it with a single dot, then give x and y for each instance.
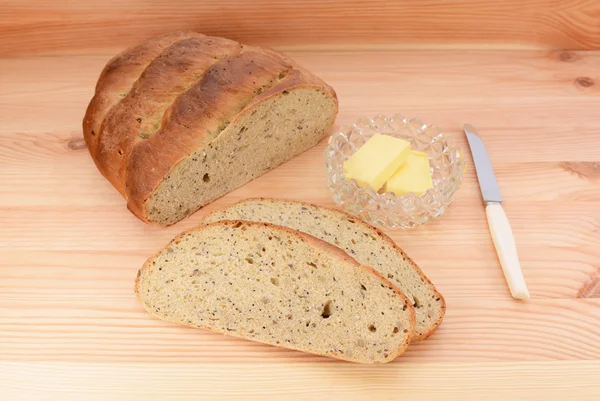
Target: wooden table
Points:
(71, 329)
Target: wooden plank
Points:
(496, 90)
(66, 228)
(59, 165)
(551, 272)
(302, 381)
(95, 323)
(47, 26)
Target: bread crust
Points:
(375, 231)
(315, 242)
(195, 118)
(136, 162)
(138, 116)
(117, 79)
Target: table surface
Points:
(70, 326)
(33, 26)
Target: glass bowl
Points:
(387, 209)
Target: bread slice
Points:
(365, 243)
(277, 286)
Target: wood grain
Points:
(69, 250)
(480, 381)
(100, 324)
(50, 26)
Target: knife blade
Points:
(498, 222)
(483, 166)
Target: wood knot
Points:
(586, 170)
(591, 289)
(566, 56)
(76, 144)
(584, 82)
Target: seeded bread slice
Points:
(277, 286)
(365, 243)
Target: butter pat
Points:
(412, 176)
(376, 161)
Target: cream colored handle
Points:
(507, 250)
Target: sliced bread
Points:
(274, 285)
(366, 244)
(184, 118)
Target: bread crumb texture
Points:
(270, 284)
(367, 245)
(273, 132)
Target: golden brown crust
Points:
(117, 79)
(299, 77)
(198, 116)
(134, 148)
(296, 79)
(139, 115)
(317, 243)
(374, 230)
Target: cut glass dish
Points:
(387, 209)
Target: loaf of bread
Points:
(363, 242)
(184, 118)
(278, 286)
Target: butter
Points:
(413, 176)
(376, 161)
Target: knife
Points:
(497, 220)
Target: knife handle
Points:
(507, 250)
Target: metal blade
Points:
(483, 166)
